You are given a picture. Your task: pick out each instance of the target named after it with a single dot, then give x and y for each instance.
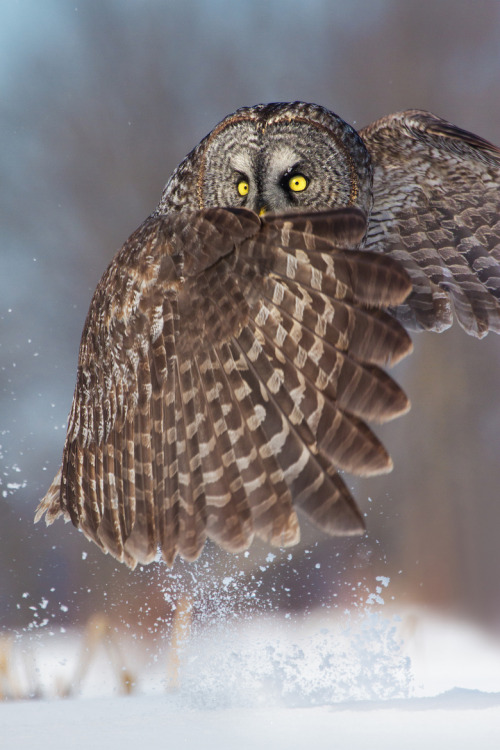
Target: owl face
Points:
(276, 158)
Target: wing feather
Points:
(224, 374)
(436, 210)
(268, 495)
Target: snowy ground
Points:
(318, 681)
(457, 721)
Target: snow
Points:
(382, 680)
(458, 720)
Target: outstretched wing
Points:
(437, 210)
(226, 368)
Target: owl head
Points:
(274, 158)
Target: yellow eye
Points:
(297, 183)
(243, 187)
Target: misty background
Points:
(100, 100)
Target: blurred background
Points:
(100, 100)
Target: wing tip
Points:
(50, 505)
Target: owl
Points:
(236, 347)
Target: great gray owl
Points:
(233, 349)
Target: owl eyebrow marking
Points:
(293, 168)
(241, 163)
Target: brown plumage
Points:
(436, 193)
(229, 362)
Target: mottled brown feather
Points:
(221, 381)
(436, 210)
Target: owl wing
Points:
(226, 368)
(436, 209)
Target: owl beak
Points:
(262, 211)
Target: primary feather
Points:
(216, 394)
